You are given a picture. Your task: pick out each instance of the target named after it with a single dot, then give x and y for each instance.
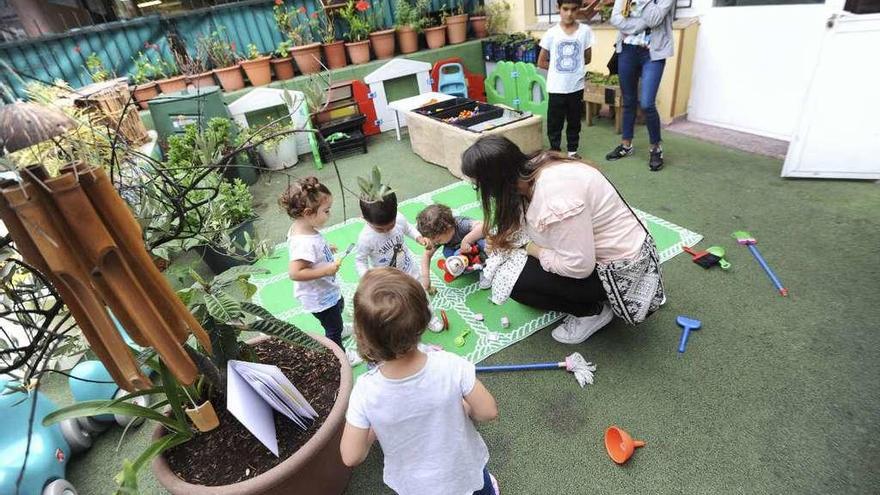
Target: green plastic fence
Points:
(513, 84)
(63, 56)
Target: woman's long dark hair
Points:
(496, 166)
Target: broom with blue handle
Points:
(574, 363)
(746, 239)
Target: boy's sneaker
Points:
(575, 330)
(620, 152)
(655, 162)
(574, 155)
(347, 329)
(494, 484)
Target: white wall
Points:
(753, 65)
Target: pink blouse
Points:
(578, 219)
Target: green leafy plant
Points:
(377, 15)
(144, 69)
(253, 52)
(220, 52)
(96, 68)
(359, 21)
(497, 17)
(603, 79)
(283, 49)
(327, 26)
(372, 188)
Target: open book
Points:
(253, 390)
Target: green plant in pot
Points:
(257, 67)
(377, 200)
(281, 61)
(456, 23)
(334, 49)
(96, 68)
(143, 78)
(223, 56)
(360, 24)
(479, 21)
(409, 22)
(381, 38)
(192, 456)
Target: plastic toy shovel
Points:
(620, 445)
(687, 324)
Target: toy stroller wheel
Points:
(91, 425)
(78, 438)
(122, 420)
(59, 487)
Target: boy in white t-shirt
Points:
(565, 53)
(420, 406)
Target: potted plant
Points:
(224, 58)
(232, 240)
(195, 69)
(478, 21)
(359, 25)
(334, 50)
(298, 27)
(192, 460)
(256, 67)
(142, 78)
(456, 23)
(377, 200)
(409, 23)
(435, 30)
(382, 39)
(170, 80)
(96, 69)
(497, 17)
(282, 62)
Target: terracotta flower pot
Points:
(456, 29)
(307, 57)
(408, 39)
(172, 84)
(283, 68)
(315, 469)
(258, 71)
(230, 78)
(435, 36)
(203, 80)
(358, 52)
(143, 92)
(334, 54)
(383, 43)
(478, 24)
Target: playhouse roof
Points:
(398, 67)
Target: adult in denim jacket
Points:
(644, 42)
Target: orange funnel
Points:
(620, 445)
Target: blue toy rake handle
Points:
(520, 367)
(684, 339)
(773, 278)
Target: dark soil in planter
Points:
(230, 453)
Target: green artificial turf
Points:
(774, 395)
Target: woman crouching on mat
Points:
(589, 255)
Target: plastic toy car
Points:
(51, 446)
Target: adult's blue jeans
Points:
(634, 64)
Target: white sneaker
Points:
(354, 358)
(575, 330)
(347, 330)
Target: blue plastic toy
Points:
(452, 80)
(687, 324)
(51, 446)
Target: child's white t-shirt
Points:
(321, 293)
(387, 249)
(567, 65)
(430, 444)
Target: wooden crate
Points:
(596, 95)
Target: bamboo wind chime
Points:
(77, 230)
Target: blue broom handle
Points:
(520, 367)
(766, 267)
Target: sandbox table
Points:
(442, 144)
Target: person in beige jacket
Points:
(574, 218)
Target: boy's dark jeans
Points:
(562, 107)
(331, 320)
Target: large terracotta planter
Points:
(172, 84)
(203, 80)
(408, 39)
(307, 57)
(456, 29)
(478, 24)
(435, 36)
(282, 67)
(315, 469)
(230, 78)
(358, 52)
(258, 71)
(143, 92)
(383, 43)
(334, 54)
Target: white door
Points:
(838, 135)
